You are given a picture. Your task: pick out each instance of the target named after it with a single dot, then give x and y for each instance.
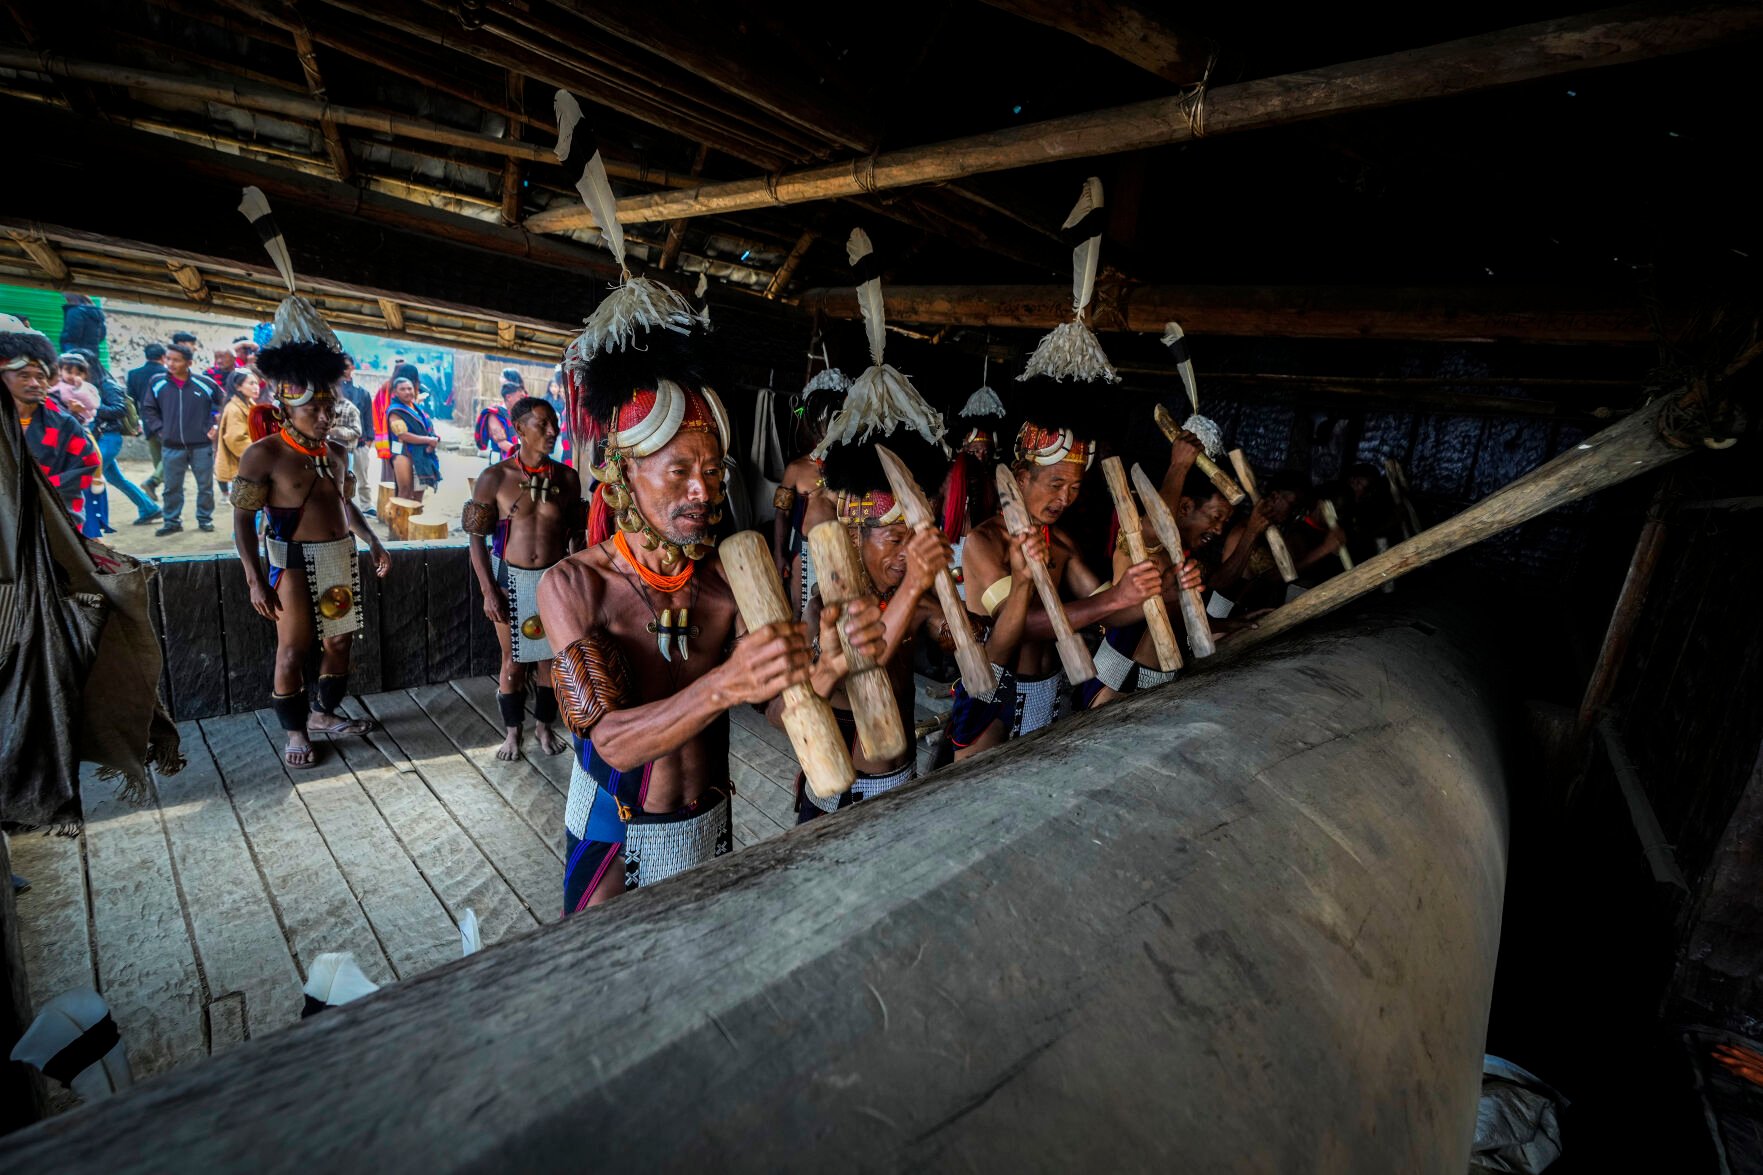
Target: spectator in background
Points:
(365, 477)
(74, 391)
(187, 339)
(82, 324)
(382, 404)
(181, 406)
(138, 381)
(416, 464)
(494, 431)
(222, 367)
(55, 440)
(234, 427)
(117, 417)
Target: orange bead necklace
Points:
(661, 583)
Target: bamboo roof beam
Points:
(269, 102)
(1473, 64)
(1467, 314)
(1128, 30)
(676, 230)
(781, 278)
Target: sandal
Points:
(343, 726)
(300, 758)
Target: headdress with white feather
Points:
(303, 356)
(636, 304)
(1071, 350)
(1207, 430)
(882, 398)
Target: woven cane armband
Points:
(349, 486)
(477, 518)
(248, 495)
(591, 679)
(783, 498)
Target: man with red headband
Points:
(530, 508)
(649, 652)
(1049, 463)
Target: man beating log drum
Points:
(1049, 467)
(649, 652)
(530, 508)
(898, 566)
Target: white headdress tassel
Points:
(1071, 350)
(882, 398)
(636, 303)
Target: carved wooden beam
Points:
(392, 313)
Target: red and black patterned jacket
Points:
(66, 453)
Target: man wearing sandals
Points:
(300, 479)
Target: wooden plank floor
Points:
(198, 916)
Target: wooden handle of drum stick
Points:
(1333, 520)
(1074, 655)
(1233, 493)
(1276, 542)
(976, 668)
(867, 684)
(808, 720)
(1193, 607)
(1132, 534)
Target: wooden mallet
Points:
(1193, 608)
(1233, 493)
(877, 713)
(1132, 534)
(976, 668)
(1276, 542)
(808, 720)
(1332, 519)
(1074, 655)
(1410, 517)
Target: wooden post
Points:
(1660, 859)
(976, 668)
(808, 720)
(1333, 520)
(1131, 533)
(386, 492)
(1074, 655)
(1276, 542)
(1622, 451)
(1398, 482)
(867, 685)
(1526, 53)
(1193, 608)
(1624, 617)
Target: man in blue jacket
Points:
(180, 408)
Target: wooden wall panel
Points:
(250, 642)
(194, 648)
(403, 623)
(449, 612)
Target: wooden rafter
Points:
(511, 167)
(1457, 314)
(1125, 28)
(781, 278)
(334, 147)
(706, 40)
(491, 50)
(1471, 65)
(676, 230)
(392, 313)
